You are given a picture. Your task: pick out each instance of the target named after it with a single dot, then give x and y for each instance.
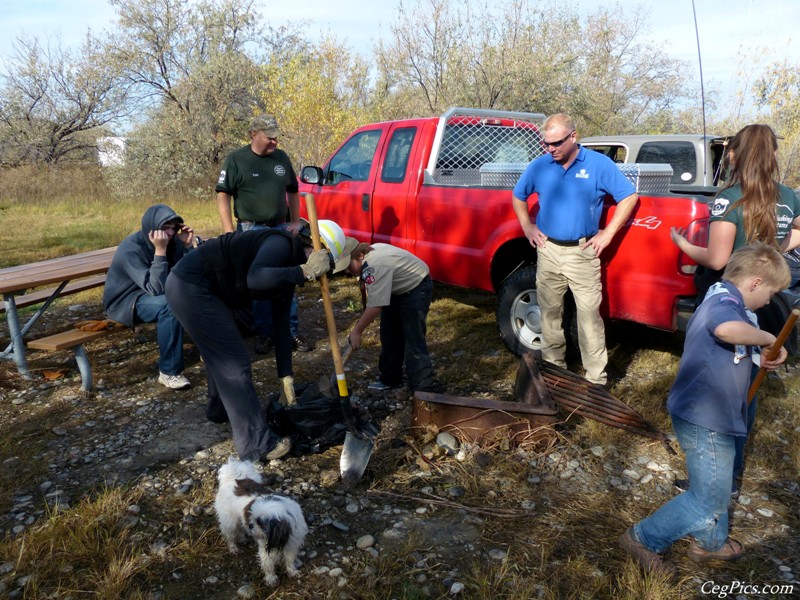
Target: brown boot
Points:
(649, 560)
(731, 550)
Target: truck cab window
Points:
(353, 162)
(396, 163)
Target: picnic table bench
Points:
(26, 285)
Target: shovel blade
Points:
(356, 453)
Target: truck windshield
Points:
(353, 161)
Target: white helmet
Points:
(333, 237)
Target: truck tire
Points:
(518, 314)
(774, 315)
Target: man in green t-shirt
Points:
(260, 180)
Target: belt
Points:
(577, 242)
(270, 223)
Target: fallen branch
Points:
(433, 499)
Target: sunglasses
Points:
(559, 142)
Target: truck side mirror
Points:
(312, 175)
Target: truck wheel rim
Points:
(526, 319)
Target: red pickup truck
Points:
(441, 188)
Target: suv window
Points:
(615, 153)
(394, 167)
(680, 155)
(353, 161)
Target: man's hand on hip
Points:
(599, 241)
(534, 235)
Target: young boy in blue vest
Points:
(708, 407)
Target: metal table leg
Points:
(15, 332)
(84, 366)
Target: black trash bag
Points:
(314, 424)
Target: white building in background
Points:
(111, 151)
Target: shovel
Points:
(788, 328)
(326, 386)
(358, 443)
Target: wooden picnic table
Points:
(71, 274)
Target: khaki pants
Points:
(559, 268)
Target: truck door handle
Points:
(365, 202)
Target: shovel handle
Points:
(338, 364)
(773, 353)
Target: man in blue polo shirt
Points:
(571, 183)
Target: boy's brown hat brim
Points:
(350, 244)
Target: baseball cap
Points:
(266, 123)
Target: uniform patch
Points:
(582, 174)
(280, 170)
(368, 275)
(731, 299)
(720, 207)
(222, 176)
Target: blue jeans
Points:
(702, 510)
(154, 309)
(741, 441)
(262, 309)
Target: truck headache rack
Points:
(488, 148)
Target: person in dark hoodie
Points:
(225, 274)
(134, 290)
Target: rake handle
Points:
(338, 364)
(773, 353)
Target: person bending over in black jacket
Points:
(225, 274)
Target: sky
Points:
(725, 27)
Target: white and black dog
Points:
(276, 523)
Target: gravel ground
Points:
(132, 431)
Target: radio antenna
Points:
(702, 89)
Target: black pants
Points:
(231, 393)
(403, 331)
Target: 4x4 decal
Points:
(649, 222)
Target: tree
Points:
(193, 68)
(54, 103)
(618, 83)
(319, 94)
(778, 91)
(540, 58)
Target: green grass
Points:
(59, 216)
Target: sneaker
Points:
(379, 386)
(174, 382)
(300, 344)
(649, 560)
(281, 449)
(263, 345)
(731, 550)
